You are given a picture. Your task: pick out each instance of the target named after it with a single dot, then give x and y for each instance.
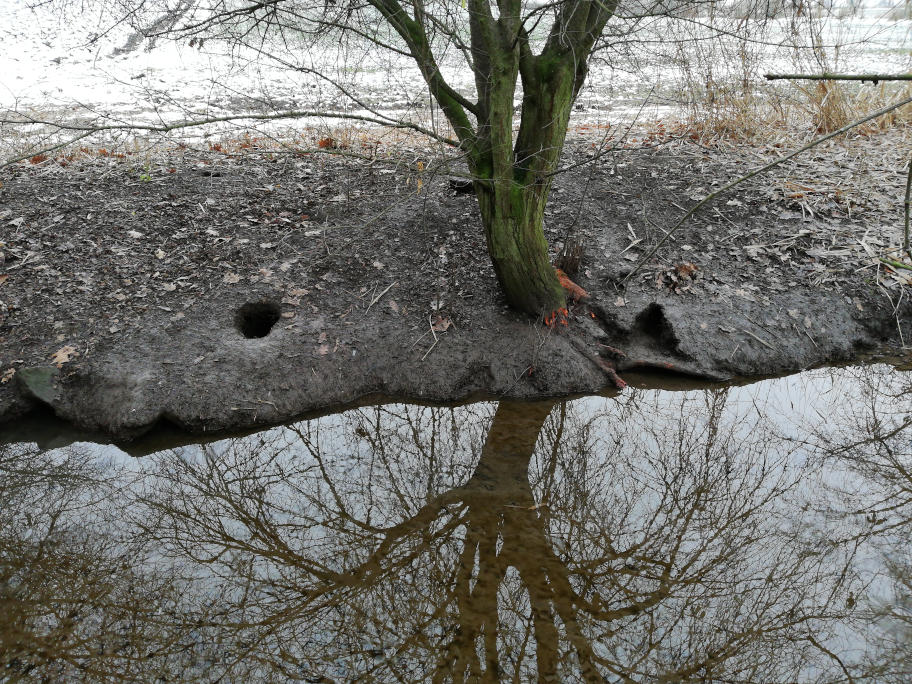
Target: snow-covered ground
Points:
(79, 63)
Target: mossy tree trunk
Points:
(512, 172)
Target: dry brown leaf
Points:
(7, 375)
(441, 324)
(323, 349)
(64, 355)
(231, 278)
(686, 269)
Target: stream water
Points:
(754, 533)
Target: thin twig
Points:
(906, 211)
(87, 130)
(377, 298)
(429, 350)
(759, 339)
(431, 326)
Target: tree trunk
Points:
(512, 216)
(513, 201)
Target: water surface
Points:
(725, 534)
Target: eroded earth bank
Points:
(226, 288)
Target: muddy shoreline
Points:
(124, 301)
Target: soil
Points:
(224, 289)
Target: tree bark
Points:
(512, 216)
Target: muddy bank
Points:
(220, 290)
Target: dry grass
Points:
(831, 105)
(774, 114)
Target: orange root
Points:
(558, 317)
(575, 291)
(611, 373)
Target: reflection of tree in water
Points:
(640, 538)
(78, 599)
(625, 546)
(868, 444)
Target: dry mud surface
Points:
(125, 280)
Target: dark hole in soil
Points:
(255, 319)
(652, 322)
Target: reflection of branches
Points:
(638, 538)
(76, 601)
(869, 441)
(634, 550)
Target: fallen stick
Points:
(875, 78)
(377, 298)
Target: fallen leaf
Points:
(441, 324)
(393, 305)
(620, 301)
(134, 234)
(64, 355)
(322, 337)
(169, 287)
(3, 278)
(7, 375)
(686, 269)
(323, 349)
(231, 278)
(297, 292)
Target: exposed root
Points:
(575, 292)
(559, 317)
(614, 352)
(609, 371)
(604, 365)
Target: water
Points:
(729, 533)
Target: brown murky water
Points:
(731, 534)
